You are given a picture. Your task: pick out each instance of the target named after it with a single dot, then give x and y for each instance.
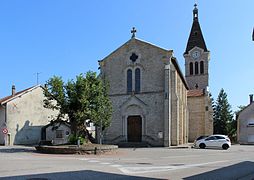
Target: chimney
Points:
(251, 98)
(13, 90)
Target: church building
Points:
(152, 100)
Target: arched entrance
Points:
(134, 128)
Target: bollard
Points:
(78, 142)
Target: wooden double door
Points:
(134, 128)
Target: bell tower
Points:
(196, 56)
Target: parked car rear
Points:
(213, 141)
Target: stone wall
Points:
(179, 118)
(200, 117)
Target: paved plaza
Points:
(127, 163)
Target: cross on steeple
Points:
(133, 31)
(195, 12)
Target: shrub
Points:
(74, 139)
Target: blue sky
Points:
(66, 38)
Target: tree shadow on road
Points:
(243, 170)
(86, 174)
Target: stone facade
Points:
(201, 114)
(158, 102)
(245, 124)
(197, 80)
(23, 115)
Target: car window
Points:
(201, 137)
(219, 137)
(210, 138)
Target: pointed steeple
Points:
(196, 38)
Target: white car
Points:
(216, 140)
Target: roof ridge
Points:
(6, 98)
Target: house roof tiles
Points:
(195, 93)
(9, 98)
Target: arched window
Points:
(201, 67)
(191, 68)
(129, 81)
(196, 67)
(137, 80)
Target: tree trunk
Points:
(73, 127)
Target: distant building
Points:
(23, 115)
(245, 124)
(57, 132)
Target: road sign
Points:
(5, 130)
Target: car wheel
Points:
(225, 146)
(202, 146)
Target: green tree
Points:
(223, 115)
(86, 98)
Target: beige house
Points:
(23, 115)
(245, 124)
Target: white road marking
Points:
(93, 161)
(184, 156)
(116, 165)
(133, 159)
(83, 159)
(105, 163)
(147, 169)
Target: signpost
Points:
(5, 131)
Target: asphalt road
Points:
(142, 163)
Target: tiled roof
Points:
(195, 93)
(16, 94)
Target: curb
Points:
(95, 149)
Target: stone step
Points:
(133, 144)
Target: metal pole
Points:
(253, 35)
(100, 131)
